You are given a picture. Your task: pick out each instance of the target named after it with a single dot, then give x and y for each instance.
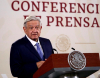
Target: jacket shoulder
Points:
(45, 39)
(19, 41)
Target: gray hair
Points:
(30, 18)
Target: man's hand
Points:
(39, 64)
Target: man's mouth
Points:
(35, 34)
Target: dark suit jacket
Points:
(23, 57)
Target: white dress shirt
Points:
(34, 42)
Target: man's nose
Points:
(34, 29)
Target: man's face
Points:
(33, 29)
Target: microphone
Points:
(55, 50)
(73, 48)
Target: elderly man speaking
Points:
(30, 52)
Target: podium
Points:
(56, 66)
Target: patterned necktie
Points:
(39, 50)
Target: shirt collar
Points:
(32, 41)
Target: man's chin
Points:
(35, 39)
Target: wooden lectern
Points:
(57, 64)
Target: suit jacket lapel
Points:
(31, 48)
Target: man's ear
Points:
(41, 27)
(24, 28)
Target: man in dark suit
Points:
(24, 57)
